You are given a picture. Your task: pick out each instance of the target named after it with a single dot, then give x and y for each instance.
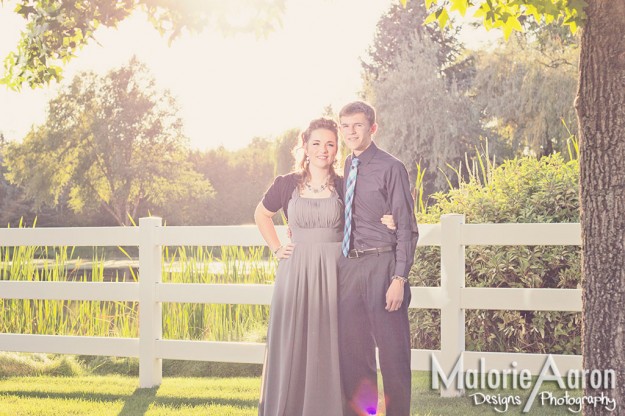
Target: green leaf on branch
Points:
(57, 29)
(443, 18)
(572, 26)
(460, 6)
(508, 14)
(511, 24)
(531, 10)
(430, 19)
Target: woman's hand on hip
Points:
(285, 251)
(388, 220)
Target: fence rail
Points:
(452, 298)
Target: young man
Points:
(373, 286)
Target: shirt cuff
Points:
(400, 270)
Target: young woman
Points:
(301, 374)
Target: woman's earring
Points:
(307, 159)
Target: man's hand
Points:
(394, 295)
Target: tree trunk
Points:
(601, 112)
(114, 212)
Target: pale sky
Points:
(229, 89)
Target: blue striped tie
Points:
(349, 198)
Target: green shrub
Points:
(180, 368)
(14, 364)
(104, 365)
(64, 366)
(523, 190)
(171, 368)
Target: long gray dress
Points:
(301, 372)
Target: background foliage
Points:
(417, 77)
(435, 100)
(112, 142)
(525, 90)
(239, 178)
(521, 190)
(57, 29)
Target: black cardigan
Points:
(279, 193)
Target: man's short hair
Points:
(359, 107)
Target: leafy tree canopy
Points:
(509, 15)
(394, 33)
(417, 78)
(112, 142)
(526, 90)
(422, 118)
(239, 177)
(57, 29)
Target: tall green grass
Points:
(220, 322)
(224, 322)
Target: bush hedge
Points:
(522, 190)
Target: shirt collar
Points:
(366, 156)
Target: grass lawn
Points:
(119, 395)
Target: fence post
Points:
(150, 311)
(452, 281)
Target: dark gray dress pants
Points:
(363, 324)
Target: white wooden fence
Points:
(452, 298)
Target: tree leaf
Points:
(443, 18)
(430, 19)
(511, 24)
(459, 5)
